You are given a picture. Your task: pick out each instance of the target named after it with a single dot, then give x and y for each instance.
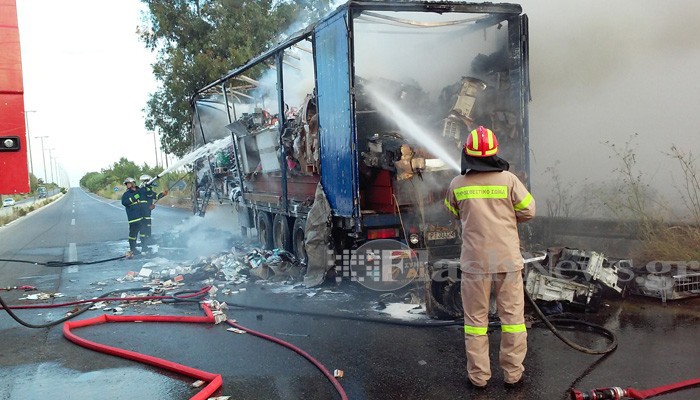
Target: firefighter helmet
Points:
(481, 142)
(145, 178)
(129, 180)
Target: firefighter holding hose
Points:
(133, 201)
(151, 198)
(490, 201)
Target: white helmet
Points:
(145, 178)
(129, 180)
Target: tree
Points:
(121, 170)
(197, 42)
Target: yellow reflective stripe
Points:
(490, 138)
(481, 192)
(524, 203)
(475, 330)
(475, 140)
(482, 154)
(135, 220)
(449, 207)
(513, 328)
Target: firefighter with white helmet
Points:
(490, 201)
(151, 198)
(133, 201)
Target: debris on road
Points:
(667, 281)
(338, 373)
(197, 384)
(577, 278)
(41, 296)
(25, 288)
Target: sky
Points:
(601, 72)
(86, 78)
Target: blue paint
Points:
(336, 125)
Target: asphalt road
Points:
(657, 344)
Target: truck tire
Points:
(298, 240)
(264, 227)
(282, 237)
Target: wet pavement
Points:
(657, 342)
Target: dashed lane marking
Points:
(72, 256)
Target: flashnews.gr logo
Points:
(382, 265)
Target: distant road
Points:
(56, 232)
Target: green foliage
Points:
(33, 182)
(197, 42)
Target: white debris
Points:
(405, 311)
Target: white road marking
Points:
(72, 256)
(72, 222)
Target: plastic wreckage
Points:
(577, 278)
(667, 280)
(559, 279)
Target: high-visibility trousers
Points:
(510, 302)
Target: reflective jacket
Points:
(135, 203)
(489, 205)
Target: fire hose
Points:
(618, 393)
(214, 380)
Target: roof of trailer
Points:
(415, 6)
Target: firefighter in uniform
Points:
(490, 201)
(132, 200)
(151, 198)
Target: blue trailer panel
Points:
(338, 153)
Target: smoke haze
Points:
(604, 71)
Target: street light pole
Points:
(43, 155)
(155, 147)
(29, 142)
(51, 160)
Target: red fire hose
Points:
(214, 380)
(618, 393)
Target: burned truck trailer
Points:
(365, 111)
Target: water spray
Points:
(206, 150)
(411, 128)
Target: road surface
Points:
(657, 344)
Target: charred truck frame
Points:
(371, 104)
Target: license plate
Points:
(442, 235)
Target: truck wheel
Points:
(264, 226)
(298, 240)
(282, 238)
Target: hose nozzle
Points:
(611, 393)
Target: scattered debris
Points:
(422, 362)
(236, 330)
(197, 384)
(41, 296)
(338, 373)
(667, 281)
(25, 288)
(578, 278)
